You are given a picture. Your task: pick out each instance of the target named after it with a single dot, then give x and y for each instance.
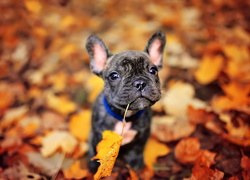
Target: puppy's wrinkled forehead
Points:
(130, 59)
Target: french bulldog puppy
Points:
(130, 77)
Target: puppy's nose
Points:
(139, 85)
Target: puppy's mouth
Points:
(140, 103)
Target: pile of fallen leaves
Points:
(201, 127)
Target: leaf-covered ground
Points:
(201, 126)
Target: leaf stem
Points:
(123, 120)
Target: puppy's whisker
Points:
(123, 120)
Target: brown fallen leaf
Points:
(75, 171)
(236, 134)
(14, 115)
(107, 152)
(49, 166)
(187, 150)
(170, 128)
(199, 116)
(202, 170)
(245, 162)
(20, 171)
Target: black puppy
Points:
(130, 77)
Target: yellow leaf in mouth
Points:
(107, 152)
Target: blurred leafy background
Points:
(46, 87)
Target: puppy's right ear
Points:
(98, 54)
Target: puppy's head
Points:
(131, 77)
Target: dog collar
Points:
(118, 116)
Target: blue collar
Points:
(118, 116)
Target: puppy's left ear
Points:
(155, 48)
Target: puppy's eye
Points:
(153, 70)
(114, 76)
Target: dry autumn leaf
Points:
(153, 150)
(170, 128)
(236, 97)
(14, 115)
(75, 171)
(58, 139)
(239, 135)
(29, 125)
(197, 116)
(61, 104)
(68, 21)
(59, 81)
(202, 170)
(33, 6)
(68, 50)
(95, 85)
(245, 162)
(209, 69)
(107, 152)
(80, 124)
(238, 57)
(80, 150)
(187, 150)
(177, 98)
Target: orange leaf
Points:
(95, 85)
(80, 124)
(61, 104)
(187, 150)
(75, 171)
(245, 162)
(133, 175)
(59, 81)
(209, 69)
(239, 135)
(68, 21)
(107, 152)
(201, 169)
(197, 116)
(68, 50)
(236, 96)
(7, 97)
(80, 150)
(33, 6)
(238, 66)
(150, 153)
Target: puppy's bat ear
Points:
(98, 54)
(155, 48)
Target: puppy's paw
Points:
(128, 134)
